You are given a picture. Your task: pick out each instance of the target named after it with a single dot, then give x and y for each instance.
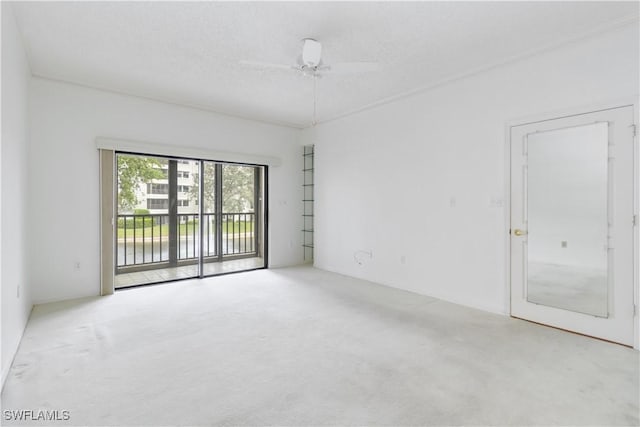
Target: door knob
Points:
(519, 232)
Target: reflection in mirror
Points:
(567, 222)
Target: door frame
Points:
(633, 102)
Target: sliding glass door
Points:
(184, 218)
(232, 228)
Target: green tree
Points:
(237, 188)
(209, 186)
(132, 172)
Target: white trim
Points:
(602, 29)
(568, 112)
(107, 215)
(4, 375)
(507, 217)
(183, 104)
(572, 111)
(636, 207)
(184, 151)
(453, 299)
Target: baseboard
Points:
(443, 297)
(16, 345)
(464, 303)
(64, 298)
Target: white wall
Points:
(63, 192)
(16, 299)
(416, 178)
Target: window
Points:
(183, 202)
(157, 203)
(158, 188)
(164, 188)
(183, 174)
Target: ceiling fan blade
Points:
(260, 64)
(354, 67)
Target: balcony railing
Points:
(144, 240)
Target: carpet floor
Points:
(301, 346)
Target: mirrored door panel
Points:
(571, 242)
(567, 222)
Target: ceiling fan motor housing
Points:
(311, 53)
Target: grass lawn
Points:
(184, 229)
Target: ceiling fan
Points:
(310, 62)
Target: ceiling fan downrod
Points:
(315, 81)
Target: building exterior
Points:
(154, 195)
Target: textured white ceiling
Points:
(189, 53)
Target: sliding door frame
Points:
(109, 263)
(108, 195)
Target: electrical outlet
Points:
(496, 202)
(360, 256)
(76, 265)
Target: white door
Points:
(572, 219)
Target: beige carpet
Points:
(301, 346)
